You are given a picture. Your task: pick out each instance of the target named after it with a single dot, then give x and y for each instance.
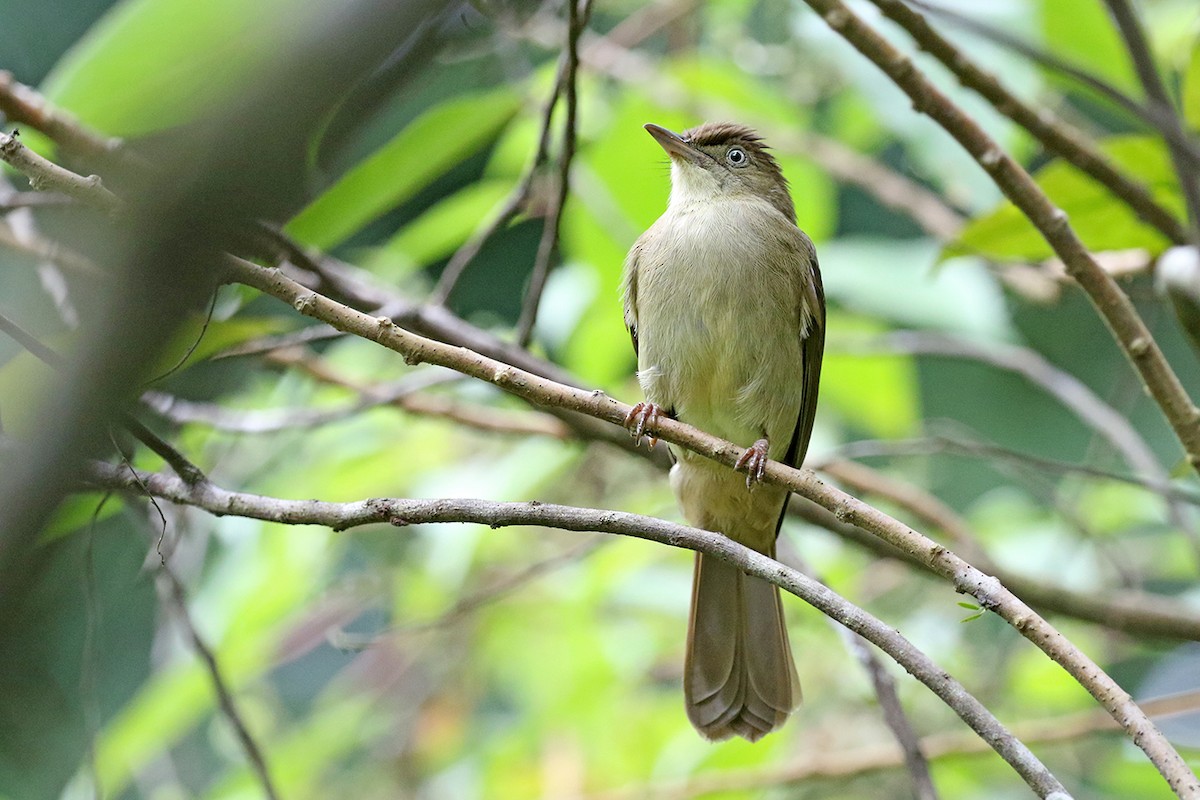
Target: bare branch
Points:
(404, 512)
(1112, 304)
(47, 176)
(1136, 613)
(577, 20)
(989, 592)
(1054, 134)
(516, 201)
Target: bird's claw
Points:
(641, 417)
(754, 461)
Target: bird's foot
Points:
(754, 461)
(642, 417)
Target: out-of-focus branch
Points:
(403, 512)
(45, 175)
(1114, 307)
(989, 592)
(577, 20)
(1054, 134)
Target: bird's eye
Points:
(737, 157)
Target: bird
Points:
(724, 303)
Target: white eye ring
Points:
(737, 157)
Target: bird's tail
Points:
(739, 677)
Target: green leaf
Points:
(1191, 88)
(219, 335)
(152, 64)
(441, 230)
(1082, 33)
(426, 148)
(1101, 220)
(850, 384)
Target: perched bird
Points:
(724, 303)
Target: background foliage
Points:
(453, 661)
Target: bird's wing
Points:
(812, 348)
(629, 282)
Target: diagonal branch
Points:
(1114, 307)
(988, 591)
(45, 175)
(404, 512)
(1053, 133)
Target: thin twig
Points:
(577, 20)
(404, 512)
(45, 175)
(1054, 134)
(989, 592)
(1114, 307)
(34, 200)
(1156, 93)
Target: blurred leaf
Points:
(1101, 220)
(78, 511)
(427, 147)
(220, 335)
(1191, 88)
(1081, 32)
(153, 64)
(850, 384)
(441, 230)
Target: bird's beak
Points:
(674, 144)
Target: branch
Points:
(404, 512)
(47, 176)
(1112, 304)
(1156, 93)
(989, 592)
(577, 20)
(1053, 133)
